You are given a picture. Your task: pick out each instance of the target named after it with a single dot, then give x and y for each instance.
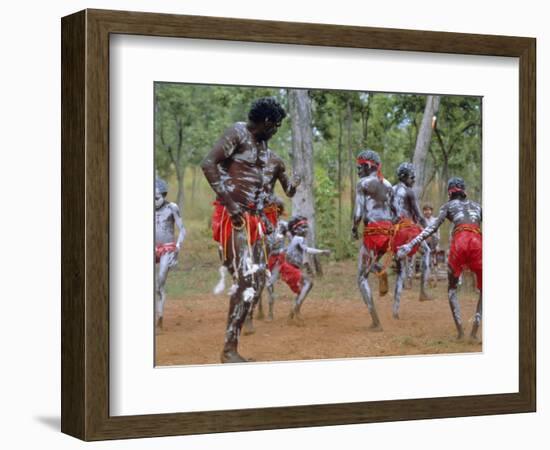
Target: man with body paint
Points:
(276, 263)
(237, 168)
(296, 255)
(167, 215)
(276, 246)
(407, 228)
(374, 207)
(275, 170)
(466, 246)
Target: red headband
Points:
(370, 162)
(456, 189)
(301, 222)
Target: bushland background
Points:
(319, 140)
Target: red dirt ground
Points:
(336, 325)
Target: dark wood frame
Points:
(85, 224)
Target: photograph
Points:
(296, 224)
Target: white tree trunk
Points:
(423, 143)
(303, 202)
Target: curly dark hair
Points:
(404, 170)
(294, 220)
(370, 155)
(266, 108)
(457, 185)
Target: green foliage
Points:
(325, 212)
(456, 147)
(328, 236)
(193, 117)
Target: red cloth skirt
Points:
(405, 231)
(161, 249)
(290, 274)
(222, 225)
(466, 251)
(377, 236)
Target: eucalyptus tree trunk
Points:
(303, 202)
(365, 116)
(351, 159)
(180, 172)
(423, 143)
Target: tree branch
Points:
(179, 126)
(171, 154)
(440, 140)
(466, 128)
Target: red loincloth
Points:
(466, 251)
(290, 274)
(161, 249)
(405, 231)
(222, 225)
(377, 236)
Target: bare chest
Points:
(164, 218)
(251, 153)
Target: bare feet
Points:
(159, 323)
(473, 334)
(248, 327)
(474, 339)
(260, 315)
(383, 284)
(232, 356)
(424, 297)
(294, 318)
(396, 315)
(376, 327)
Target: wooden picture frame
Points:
(85, 224)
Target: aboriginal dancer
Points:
(276, 246)
(408, 226)
(295, 261)
(274, 171)
(167, 216)
(374, 207)
(465, 250)
(236, 170)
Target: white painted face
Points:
(159, 199)
(301, 230)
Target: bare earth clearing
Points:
(336, 324)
